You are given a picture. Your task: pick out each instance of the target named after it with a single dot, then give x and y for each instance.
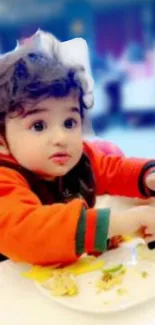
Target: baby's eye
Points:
(39, 126)
(70, 123)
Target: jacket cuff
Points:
(92, 231)
(147, 169)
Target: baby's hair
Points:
(36, 77)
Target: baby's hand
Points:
(150, 180)
(138, 220)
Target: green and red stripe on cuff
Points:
(92, 231)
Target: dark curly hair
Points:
(35, 77)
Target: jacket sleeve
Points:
(46, 234)
(117, 175)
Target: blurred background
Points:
(121, 40)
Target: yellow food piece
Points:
(86, 268)
(38, 273)
(62, 284)
(84, 265)
(127, 238)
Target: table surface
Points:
(22, 303)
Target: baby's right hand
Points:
(131, 221)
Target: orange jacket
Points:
(59, 232)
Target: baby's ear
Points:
(3, 146)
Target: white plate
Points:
(139, 289)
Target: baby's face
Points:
(47, 138)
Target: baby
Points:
(50, 177)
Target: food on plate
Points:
(144, 274)
(62, 284)
(85, 264)
(39, 273)
(115, 242)
(63, 280)
(121, 291)
(89, 264)
(111, 277)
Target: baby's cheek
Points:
(27, 154)
(33, 157)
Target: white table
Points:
(22, 304)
